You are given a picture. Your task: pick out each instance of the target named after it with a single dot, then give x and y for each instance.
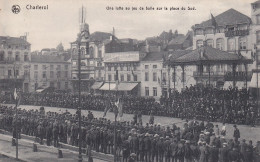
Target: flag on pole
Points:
(213, 21)
(105, 111)
(119, 106)
(15, 94)
(133, 73)
(17, 97)
(116, 79)
(107, 108)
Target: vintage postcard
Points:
(130, 80)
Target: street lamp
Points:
(82, 34)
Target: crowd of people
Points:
(204, 103)
(195, 141)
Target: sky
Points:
(60, 23)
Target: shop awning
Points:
(253, 83)
(126, 86)
(228, 84)
(108, 86)
(121, 86)
(96, 85)
(39, 90)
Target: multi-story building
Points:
(124, 66)
(228, 31)
(49, 71)
(159, 79)
(93, 50)
(255, 32)
(15, 60)
(154, 75)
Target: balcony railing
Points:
(206, 74)
(13, 77)
(239, 76)
(7, 60)
(84, 68)
(234, 33)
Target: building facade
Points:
(49, 71)
(124, 66)
(255, 32)
(228, 31)
(158, 78)
(15, 57)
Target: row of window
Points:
(88, 51)
(66, 85)
(122, 68)
(155, 78)
(231, 43)
(45, 67)
(219, 30)
(154, 66)
(15, 47)
(44, 74)
(122, 77)
(163, 80)
(17, 56)
(147, 91)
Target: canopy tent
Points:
(96, 85)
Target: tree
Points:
(60, 48)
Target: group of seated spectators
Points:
(205, 103)
(195, 141)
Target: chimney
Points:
(24, 37)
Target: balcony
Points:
(7, 60)
(13, 77)
(206, 74)
(88, 68)
(234, 33)
(239, 76)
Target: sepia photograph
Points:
(130, 80)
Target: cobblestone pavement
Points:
(44, 154)
(246, 132)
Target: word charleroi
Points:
(37, 7)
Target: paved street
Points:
(44, 154)
(4, 158)
(247, 132)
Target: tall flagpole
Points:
(16, 111)
(257, 86)
(115, 157)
